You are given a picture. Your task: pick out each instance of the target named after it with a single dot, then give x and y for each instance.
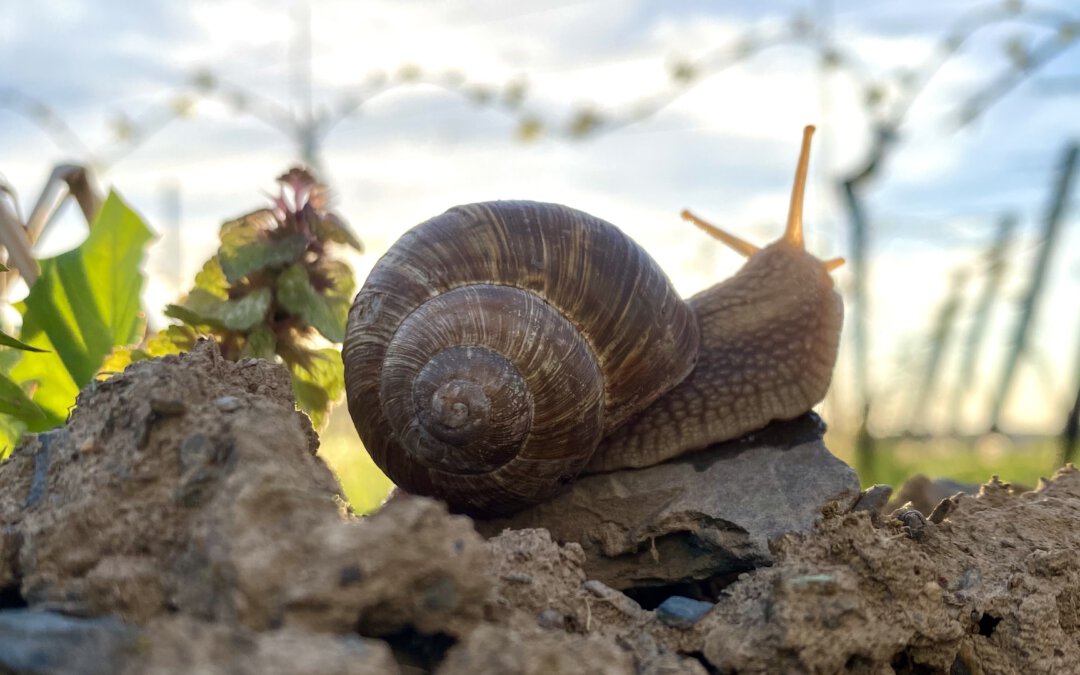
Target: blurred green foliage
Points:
(365, 486)
(84, 304)
(965, 460)
(272, 291)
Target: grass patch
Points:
(364, 484)
(975, 460)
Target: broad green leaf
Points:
(8, 341)
(332, 228)
(200, 308)
(85, 303)
(172, 340)
(55, 389)
(318, 384)
(8, 359)
(11, 430)
(212, 279)
(247, 246)
(326, 312)
(261, 343)
(341, 285)
(15, 402)
(118, 360)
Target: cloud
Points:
(726, 148)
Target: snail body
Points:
(501, 348)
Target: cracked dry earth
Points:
(182, 522)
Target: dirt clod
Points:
(210, 536)
(711, 512)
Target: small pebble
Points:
(197, 450)
(598, 588)
(873, 499)
(441, 595)
(168, 406)
(551, 618)
(350, 575)
(227, 403)
(680, 612)
(914, 521)
(616, 599)
(88, 446)
(943, 509)
(820, 584)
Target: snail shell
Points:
(501, 348)
(493, 346)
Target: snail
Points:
(500, 349)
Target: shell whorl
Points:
(493, 346)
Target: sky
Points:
(726, 147)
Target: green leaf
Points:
(212, 279)
(172, 340)
(8, 341)
(247, 247)
(318, 384)
(340, 283)
(201, 308)
(326, 312)
(85, 303)
(55, 390)
(15, 402)
(11, 430)
(260, 343)
(332, 228)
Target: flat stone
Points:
(707, 513)
(682, 612)
(925, 493)
(45, 642)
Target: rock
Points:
(993, 588)
(10, 543)
(680, 612)
(873, 501)
(707, 513)
(228, 403)
(181, 645)
(550, 618)
(45, 643)
(557, 591)
(492, 649)
(223, 544)
(222, 514)
(924, 494)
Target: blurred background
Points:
(943, 168)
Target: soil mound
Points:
(181, 521)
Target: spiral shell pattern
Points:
(493, 346)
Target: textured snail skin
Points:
(769, 340)
(493, 346)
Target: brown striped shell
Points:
(493, 346)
